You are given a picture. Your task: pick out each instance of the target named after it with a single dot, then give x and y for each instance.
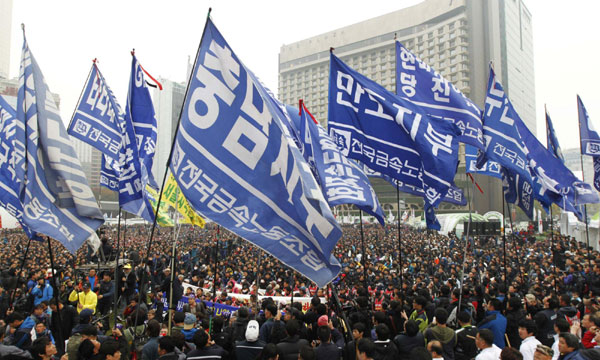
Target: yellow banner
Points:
(162, 217)
(173, 197)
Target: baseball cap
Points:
(85, 285)
(323, 320)
(252, 331)
(530, 297)
(189, 321)
(127, 266)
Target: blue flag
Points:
(420, 84)
(109, 171)
(389, 134)
(55, 194)
(455, 195)
(552, 140)
(100, 122)
(341, 180)
(589, 140)
(489, 168)
(12, 155)
(96, 121)
(140, 110)
(430, 219)
(236, 163)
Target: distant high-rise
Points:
(458, 38)
(5, 33)
(167, 106)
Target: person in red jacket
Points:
(592, 324)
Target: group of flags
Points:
(268, 172)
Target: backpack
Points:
(73, 346)
(137, 343)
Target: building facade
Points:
(458, 38)
(5, 34)
(167, 106)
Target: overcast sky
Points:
(65, 36)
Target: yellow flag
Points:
(162, 217)
(173, 197)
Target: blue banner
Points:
(96, 121)
(430, 219)
(552, 140)
(55, 194)
(489, 168)
(12, 155)
(215, 309)
(140, 110)
(389, 134)
(99, 117)
(455, 195)
(341, 180)
(236, 163)
(590, 140)
(420, 84)
(109, 170)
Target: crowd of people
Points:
(529, 298)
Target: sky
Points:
(65, 36)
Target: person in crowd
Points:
(510, 353)
(204, 348)
(439, 331)
(366, 349)
(358, 331)
(466, 349)
(289, 347)
(252, 347)
(150, 349)
(495, 321)
(543, 352)
(529, 343)
(568, 346)
(85, 298)
(485, 343)
(435, 349)
(166, 349)
(11, 351)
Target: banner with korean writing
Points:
(489, 168)
(342, 181)
(173, 197)
(420, 84)
(235, 163)
(389, 134)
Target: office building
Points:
(5, 34)
(167, 106)
(458, 38)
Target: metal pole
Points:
(171, 307)
(399, 236)
(216, 266)
(504, 237)
(12, 293)
(512, 231)
(364, 254)
(462, 271)
(117, 279)
(585, 217)
(553, 248)
(56, 295)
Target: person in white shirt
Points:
(485, 342)
(527, 334)
(435, 349)
(561, 325)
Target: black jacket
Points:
(328, 351)
(386, 350)
(465, 344)
(214, 352)
(245, 350)
(512, 326)
(406, 343)
(289, 348)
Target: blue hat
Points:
(189, 321)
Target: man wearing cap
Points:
(106, 291)
(189, 323)
(252, 346)
(85, 298)
(165, 287)
(126, 285)
(42, 292)
(543, 352)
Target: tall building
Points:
(167, 106)
(5, 33)
(458, 38)
(573, 162)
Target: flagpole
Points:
(56, 297)
(169, 163)
(504, 236)
(364, 255)
(82, 91)
(216, 265)
(512, 231)
(587, 233)
(115, 295)
(553, 248)
(399, 237)
(12, 294)
(175, 236)
(464, 260)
